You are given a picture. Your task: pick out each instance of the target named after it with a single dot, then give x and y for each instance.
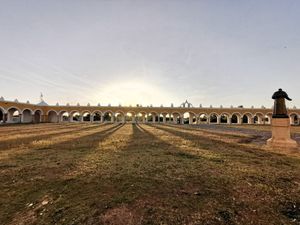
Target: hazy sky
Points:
(229, 52)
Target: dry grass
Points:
(145, 174)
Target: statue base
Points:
(281, 134)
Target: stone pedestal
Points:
(281, 134)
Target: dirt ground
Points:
(146, 174)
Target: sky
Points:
(210, 52)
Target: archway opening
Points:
(245, 119)
(14, 116)
(108, 117)
(213, 118)
(149, 117)
(86, 117)
(130, 117)
(119, 117)
(140, 117)
(234, 119)
(268, 118)
(189, 118)
(294, 119)
(52, 117)
(203, 118)
(258, 118)
(1, 116)
(255, 119)
(37, 116)
(27, 116)
(97, 117)
(64, 116)
(75, 117)
(224, 118)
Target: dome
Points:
(42, 103)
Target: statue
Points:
(281, 125)
(280, 110)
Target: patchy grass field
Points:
(145, 174)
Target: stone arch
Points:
(53, 116)
(152, 117)
(3, 110)
(177, 118)
(2, 114)
(86, 116)
(130, 117)
(268, 118)
(294, 119)
(37, 116)
(108, 116)
(258, 118)
(236, 118)
(97, 116)
(203, 118)
(141, 116)
(14, 115)
(214, 118)
(189, 117)
(247, 118)
(120, 117)
(64, 116)
(225, 117)
(27, 116)
(75, 116)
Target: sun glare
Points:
(132, 93)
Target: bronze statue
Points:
(280, 110)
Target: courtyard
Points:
(87, 173)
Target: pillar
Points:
(4, 117)
(44, 118)
(239, 120)
(22, 119)
(197, 119)
(112, 118)
(218, 119)
(175, 119)
(259, 120)
(191, 119)
(250, 120)
(153, 118)
(144, 118)
(91, 118)
(181, 120)
(164, 118)
(229, 120)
